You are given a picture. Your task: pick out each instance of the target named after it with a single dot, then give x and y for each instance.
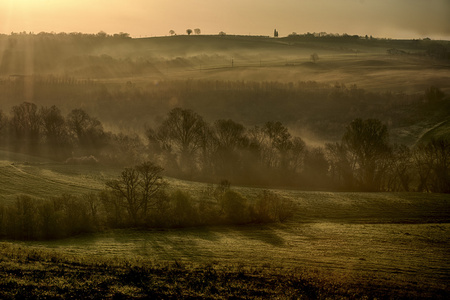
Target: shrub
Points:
(270, 207)
(183, 211)
(235, 208)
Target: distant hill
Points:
(314, 84)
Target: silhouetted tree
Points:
(182, 132)
(275, 33)
(87, 130)
(315, 167)
(402, 165)
(26, 122)
(3, 125)
(172, 32)
(366, 142)
(136, 189)
(54, 128)
(189, 31)
(341, 165)
(285, 151)
(229, 138)
(432, 160)
(197, 31)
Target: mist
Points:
(308, 164)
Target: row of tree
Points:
(138, 198)
(269, 155)
(46, 131)
(189, 147)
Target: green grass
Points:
(347, 244)
(31, 273)
(441, 130)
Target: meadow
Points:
(346, 245)
(338, 244)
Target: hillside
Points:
(364, 244)
(132, 83)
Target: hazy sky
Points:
(380, 18)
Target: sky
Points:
(404, 19)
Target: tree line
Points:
(189, 147)
(138, 198)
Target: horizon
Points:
(404, 19)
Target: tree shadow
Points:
(266, 234)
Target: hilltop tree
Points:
(172, 32)
(189, 31)
(197, 31)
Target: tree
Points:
(182, 132)
(189, 31)
(87, 130)
(26, 122)
(229, 137)
(197, 31)
(432, 160)
(366, 142)
(172, 32)
(281, 141)
(275, 33)
(314, 57)
(54, 127)
(136, 189)
(402, 165)
(315, 166)
(3, 124)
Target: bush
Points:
(269, 207)
(183, 211)
(235, 208)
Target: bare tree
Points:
(26, 121)
(136, 189)
(182, 132)
(229, 138)
(54, 126)
(366, 141)
(87, 130)
(3, 123)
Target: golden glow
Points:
(384, 18)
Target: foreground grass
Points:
(45, 274)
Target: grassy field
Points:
(383, 245)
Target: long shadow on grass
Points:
(172, 244)
(265, 234)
